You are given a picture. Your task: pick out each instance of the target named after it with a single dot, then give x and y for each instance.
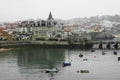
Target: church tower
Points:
(50, 16)
(50, 20)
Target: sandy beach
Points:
(4, 49)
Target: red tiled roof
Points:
(1, 28)
(67, 30)
(3, 33)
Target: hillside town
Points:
(51, 29)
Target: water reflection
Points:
(33, 61)
(41, 57)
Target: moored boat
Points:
(51, 70)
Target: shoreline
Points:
(4, 49)
(55, 44)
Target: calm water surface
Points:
(30, 64)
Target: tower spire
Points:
(50, 16)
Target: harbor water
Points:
(30, 63)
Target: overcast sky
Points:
(14, 10)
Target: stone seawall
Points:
(7, 44)
(33, 43)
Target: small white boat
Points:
(51, 70)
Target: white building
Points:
(107, 25)
(40, 29)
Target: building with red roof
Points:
(4, 35)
